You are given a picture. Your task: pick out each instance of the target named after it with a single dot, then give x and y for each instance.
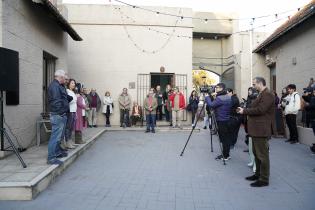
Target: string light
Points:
(173, 34)
(215, 19)
(149, 28)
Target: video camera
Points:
(207, 89)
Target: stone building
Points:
(289, 57)
(126, 47)
(39, 33)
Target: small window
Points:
(49, 67)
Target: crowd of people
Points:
(263, 114)
(72, 109)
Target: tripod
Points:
(3, 133)
(213, 127)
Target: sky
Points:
(245, 9)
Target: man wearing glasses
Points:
(260, 127)
(222, 107)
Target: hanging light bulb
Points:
(276, 15)
(157, 13)
(201, 38)
(206, 21)
(182, 17)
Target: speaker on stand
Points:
(9, 82)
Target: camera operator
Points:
(222, 106)
(292, 104)
(260, 128)
(235, 121)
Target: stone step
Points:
(15, 189)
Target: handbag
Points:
(188, 107)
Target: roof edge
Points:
(59, 19)
(280, 32)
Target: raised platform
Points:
(17, 183)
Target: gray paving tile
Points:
(132, 170)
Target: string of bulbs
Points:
(170, 35)
(207, 19)
(180, 17)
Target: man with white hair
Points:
(58, 107)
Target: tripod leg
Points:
(14, 149)
(211, 141)
(193, 128)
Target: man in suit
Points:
(260, 128)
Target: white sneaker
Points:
(69, 145)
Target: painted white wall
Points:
(108, 60)
(29, 31)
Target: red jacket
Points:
(181, 100)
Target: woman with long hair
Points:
(193, 106)
(71, 117)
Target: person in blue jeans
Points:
(150, 105)
(59, 107)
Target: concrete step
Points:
(18, 187)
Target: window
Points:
(49, 67)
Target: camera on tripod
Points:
(206, 89)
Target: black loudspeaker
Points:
(9, 75)
(9, 70)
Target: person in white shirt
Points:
(71, 115)
(292, 104)
(107, 107)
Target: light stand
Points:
(3, 133)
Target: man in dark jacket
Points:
(222, 108)
(235, 122)
(58, 106)
(260, 128)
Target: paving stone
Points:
(132, 170)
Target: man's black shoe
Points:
(259, 184)
(205, 127)
(245, 150)
(252, 178)
(219, 157)
(147, 131)
(294, 142)
(289, 140)
(153, 131)
(62, 155)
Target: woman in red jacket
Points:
(178, 105)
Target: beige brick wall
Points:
(28, 30)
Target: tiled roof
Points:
(305, 13)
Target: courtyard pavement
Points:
(128, 170)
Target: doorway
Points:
(161, 79)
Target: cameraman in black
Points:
(235, 122)
(221, 103)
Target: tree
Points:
(200, 77)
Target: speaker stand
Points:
(3, 133)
